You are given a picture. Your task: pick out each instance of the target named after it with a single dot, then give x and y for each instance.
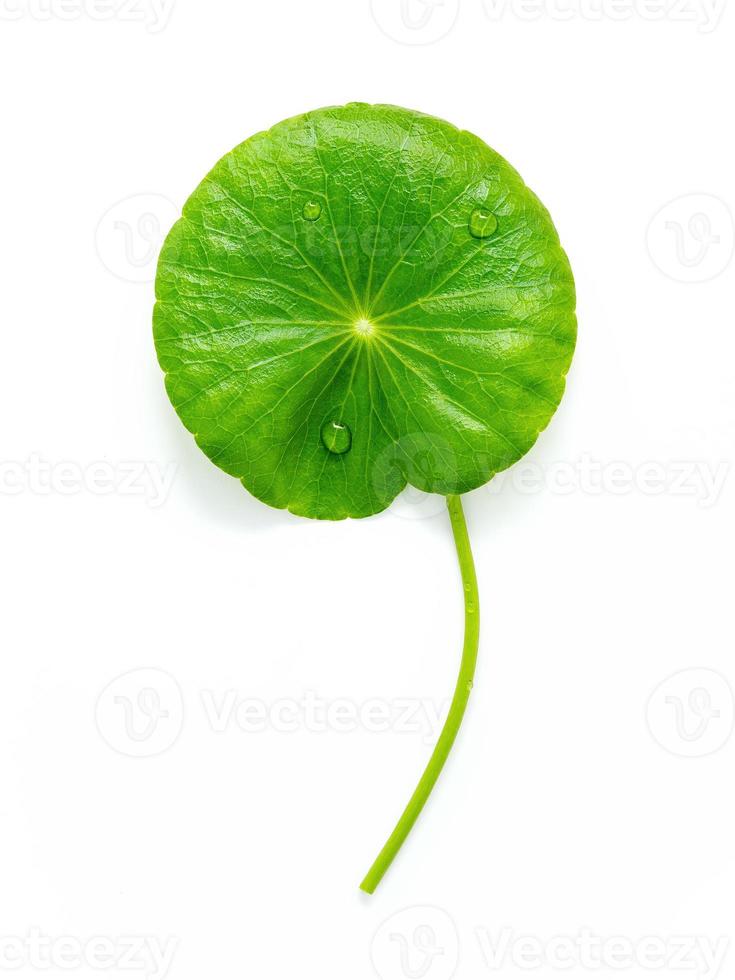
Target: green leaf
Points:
(362, 297)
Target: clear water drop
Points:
(483, 223)
(336, 437)
(311, 210)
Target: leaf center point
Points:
(364, 328)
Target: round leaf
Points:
(360, 298)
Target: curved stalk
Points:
(456, 710)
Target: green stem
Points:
(457, 707)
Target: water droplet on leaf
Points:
(311, 210)
(336, 437)
(482, 223)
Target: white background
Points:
(587, 790)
